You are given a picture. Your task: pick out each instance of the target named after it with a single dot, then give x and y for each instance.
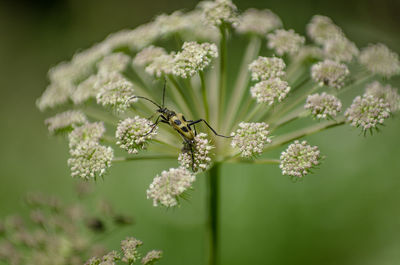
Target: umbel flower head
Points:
(167, 187)
(171, 87)
(299, 158)
(133, 134)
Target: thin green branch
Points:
(222, 72)
(147, 157)
(185, 104)
(304, 132)
(254, 161)
(213, 213)
(204, 95)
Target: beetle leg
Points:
(209, 126)
(154, 125)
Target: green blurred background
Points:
(346, 213)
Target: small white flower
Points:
(151, 257)
(340, 49)
(379, 59)
(115, 91)
(321, 28)
(65, 121)
(133, 134)
(90, 160)
(258, 21)
(285, 41)
(264, 68)
(87, 132)
(299, 158)
(161, 65)
(201, 154)
(148, 54)
(219, 12)
(169, 24)
(367, 112)
(115, 62)
(85, 90)
(129, 248)
(251, 138)
(270, 91)
(329, 73)
(323, 106)
(167, 187)
(53, 96)
(386, 92)
(194, 57)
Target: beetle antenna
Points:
(145, 99)
(163, 96)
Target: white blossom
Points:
(323, 106)
(321, 29)
(129, 248)
(90, 160)
(367, 112)
(65, 121)
(115, 91)
(148, 54)
(87, 132)
(85, 90)
(151, 257)
(161, 65)
(270, 91)
(133, 134)
(194, 57)
(299, 158)
(219, 12)
(379, 59)
(251, 138)
(167, 187)
(386, 92)
(264, 68)
(329, 73)
(115, 62)
(340, 49)
(258, 21)
(285, 41)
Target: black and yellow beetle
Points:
(179, 123)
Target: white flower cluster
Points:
(167, 187)
(386, 92)
(194, 57)
(340, 49)
(161, 65)
(65, 121)
(115, 62)
(148, 54)
(367, 112)
(87, 132)
(299, 158)
(258, 22)
(133, 134)
(309, 53)
(264, 68)
(85, 90)
(201, 154)
(321, 29)
(115, 91)
(379, 59)
(219, 12)
(169, 24)
(151, 257)
(329, 73)
(323, 106)
(270, 91)
(89, 160)
(251, 138)
(129, 248)
(285, 41)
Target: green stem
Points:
(222, 73)
(204, 94)
(213, 207)
(256, 161)
(183, 99)
(304, 132)
(148, 157)
(242, 80)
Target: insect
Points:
(179, 123)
